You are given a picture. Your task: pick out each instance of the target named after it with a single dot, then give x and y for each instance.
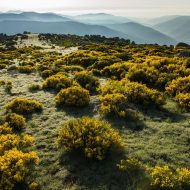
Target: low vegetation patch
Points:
(93, 137)
(57, 82)
(87, 80)
(23, 106)
(15, 121)
(73, 96)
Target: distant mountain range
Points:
(166, 30)
(178, 28)
(142, 34)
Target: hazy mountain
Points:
(178, 28)
(33, 16)
(68, 27)
(100, 18)
(103, 24)
(158, 20)
(143, 34)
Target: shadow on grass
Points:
(90, 110)
(93, 174)
(161, 114)
(134, 124)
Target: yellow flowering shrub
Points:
(15, 121)
(26, 69)
(73, 96)
(180, 85)
(162, 177)
(115, 103)
(87, 80)
(117, 70)
(130, 164)
(14, 167)
(10, 141)
(57, 82)
(5, 129)
(23, 106)
(93, 137)
(118, 96)
(183, 99)
(183, 176)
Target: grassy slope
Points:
(164, 138)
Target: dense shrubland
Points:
(112, 76)
(16, 161)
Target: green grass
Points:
(158, 137)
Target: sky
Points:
(130, 8)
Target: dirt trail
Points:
(33, 40)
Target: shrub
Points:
(74, 68)
(26, 69)
(115, 103)
(5, 129)
(93, 137)
(73, 96)
(130, 164)
(15, 121)
(34, 87)
(57, 82)
(46, 73)
(23, 106)
(183, 100)
(10, 141)
(87, 80)
(143, 74)
(14, 166)
(183, 177)
(162, 177)
(117, 70)
(180, 85)
(134, 92)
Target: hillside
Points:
(100, 19)
(178, 28)
(143, 34)
(32, 16)
(105, 114)
(97, 23)
(68, 27)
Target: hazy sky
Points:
(133, 8)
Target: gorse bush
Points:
(14, 167)
(117, 70)
(87, 80)
(93, 137)
(15, 121)
(117, 96)
(5, 129)
(34, 87)
(183, 177)
(130, 164)
(180, 85)
(23, 106)
(73, 96)
(10, 141)
(162, 177)
(157, 177)
(143, 74)
(26, 69)
(116, 103)
(57, 82)
(183, 100)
